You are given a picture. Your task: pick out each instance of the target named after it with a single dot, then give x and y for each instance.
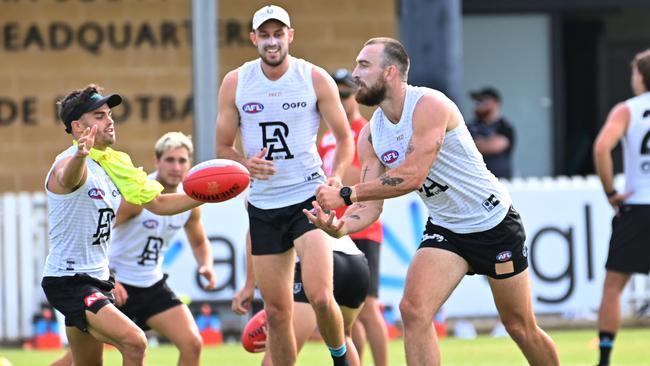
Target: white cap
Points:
(270, 12)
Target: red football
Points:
(254, 331)
(216, 180)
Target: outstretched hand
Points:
(259, 167)
(325, 220)
(86, 141)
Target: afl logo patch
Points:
(389, 156)
(96, 194)
(297, 287)
(504, 256)
(253, 107)
(150, 224)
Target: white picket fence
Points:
(23, 248)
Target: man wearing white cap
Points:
(277, 102)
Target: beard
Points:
(373, 95)
(276, 62)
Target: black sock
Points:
(340, 360)
(606, 344)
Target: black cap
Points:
(486, 92)
(344, 77)
(95, 101)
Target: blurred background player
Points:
(629, 251)
(371, 324)
(136, 254)
(351, 281)
(493, 134)
(276, 101)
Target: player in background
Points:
(140, 241)
(351, 281)
(629, 251)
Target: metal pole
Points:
(205, 66)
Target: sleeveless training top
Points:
(282, 116)
(461, 194)
(80, 224)
(636, 150)
(139, 245)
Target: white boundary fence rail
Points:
(23, 247)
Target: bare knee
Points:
(520, 329)
(370, 312)
(320, 300)
(277, 315)
(413, 313)
(134, 346)
(191, 346)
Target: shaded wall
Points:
(141, 49)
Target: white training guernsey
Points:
(636, 150)
(345, 245)
(139, 246)
(461, 194)
(80, 224)
(282, 116)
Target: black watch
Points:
(345, 193)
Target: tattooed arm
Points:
(361, 214)
(431, 119)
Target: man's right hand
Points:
(120, 294)
(241, 302)
(86, 141)
(326, 221)
(259, 167)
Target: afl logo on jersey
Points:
(389, 156)
(253, 107)
(504, 256)
(96, 194)
(150, 224)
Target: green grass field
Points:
(575, 347)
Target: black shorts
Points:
(351, 279)
(499, 252)
(371, 249)
(629, 247)
(273, 231)
(145, 302)
(73, 295)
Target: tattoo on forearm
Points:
(369, 137)
(360, 205)
(390, 181)
(354, 217)
(365, 171)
